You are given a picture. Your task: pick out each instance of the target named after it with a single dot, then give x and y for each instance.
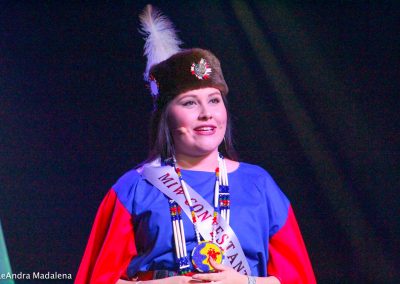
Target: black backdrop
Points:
(314, 97)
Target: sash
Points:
(166, 180)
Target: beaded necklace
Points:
(205, 248)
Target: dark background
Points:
(313, 91)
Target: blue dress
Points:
(133, 233)
(258, 210)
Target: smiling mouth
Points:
(205, 130)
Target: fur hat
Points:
(187, 70)
(170, 70)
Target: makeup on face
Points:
(197, 120)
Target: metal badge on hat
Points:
(201, 70)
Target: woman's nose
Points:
(205, 113)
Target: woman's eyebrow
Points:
(215, 93)
(187, 96)
(195, 96)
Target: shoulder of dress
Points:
(128, 180)
(253, 170)
(257, 176)
(127, 187)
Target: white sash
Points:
(167, 181)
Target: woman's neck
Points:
(206, 163)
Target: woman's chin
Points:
(205, 151)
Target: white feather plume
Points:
(160, 36)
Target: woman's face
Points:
(197, 121)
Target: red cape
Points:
(111, 244)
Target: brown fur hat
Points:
(178, 74)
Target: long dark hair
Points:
(161, 142)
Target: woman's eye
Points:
(215, 100)
(188, 103)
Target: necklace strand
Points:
(221, 204)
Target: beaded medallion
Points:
(201, 256)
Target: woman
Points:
(191, 214)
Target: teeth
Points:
(205, 129)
